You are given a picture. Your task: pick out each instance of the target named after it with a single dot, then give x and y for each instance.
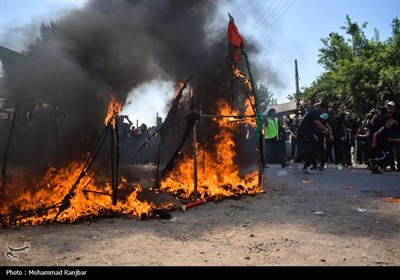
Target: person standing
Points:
(361, 142)
(309, 124)
(294, 144)
(273, 150)
(346, 140)
(374, 123)
(394, 147)
(321, 139)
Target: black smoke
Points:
(108, 48)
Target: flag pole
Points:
(259, 120)
(237, 44)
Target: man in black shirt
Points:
(379, 145)
(305, 134)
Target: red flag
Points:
(235, 40)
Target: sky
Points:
(284, 31)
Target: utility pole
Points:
(296, 71)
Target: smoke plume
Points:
(108, 48)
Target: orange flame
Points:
(178, 87)
(90, 199)
(392, 199)
(221, 177)
(239, 74)
(114, 107)
(43, 202)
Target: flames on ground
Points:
(118, 46)
(75, 192)
(220, 175)
(41, 205)
(69, 194)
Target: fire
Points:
(42, 205)
(114, 107)
(249, 111)
(72, 193)
(239, 74)
(392, 199)
(178, 87)
(221, 176)
(68, 194)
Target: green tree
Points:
(265, 96)
(48, 32)
(360, 73)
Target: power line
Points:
(274, 19)
(266, 27)
(256, 26)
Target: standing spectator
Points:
(294, 143)
(321, 138)
(124, 128)
(330, 155)
(346, 140)
(288, 121)
(306, 138)
(273, 151)
(361, 142)
(374, 123)
(339, 136)
(354, 124)
(394, 147)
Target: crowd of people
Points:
(319, 136)
(138, 143)
(323, 135)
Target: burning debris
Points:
(220, 175)
(93, 52)
(71, 194)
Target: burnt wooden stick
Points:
(145, 143)
(6, 150)
(228, 116)
(176, 180)
(65, 203)
(195, 179)
(157, 183)
(166, 126)
(31, 212)
(56, 134)
(204, 140)
(112, 161)
(103, 193)
(240, 83)
(191, 120)
(116, 180)
(97, 148)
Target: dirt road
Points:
(331, 218)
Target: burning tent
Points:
(58, 156)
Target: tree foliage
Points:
(359, 73)
(265, 96)
(48, 32)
